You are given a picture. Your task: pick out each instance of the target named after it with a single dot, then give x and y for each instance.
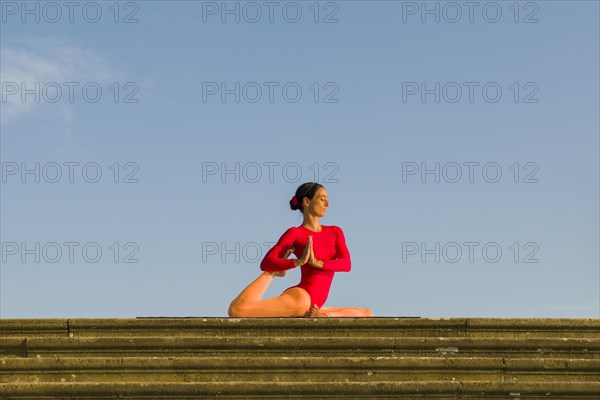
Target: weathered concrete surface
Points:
(410, 358)
(382, 326)
(323, 390)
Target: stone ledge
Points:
(505, 389)
(366, 358)
(61, 327)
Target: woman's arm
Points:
(274, 259)
(342, 262)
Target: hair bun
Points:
(294, 201)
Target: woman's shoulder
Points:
(334, 228)
(291, 231)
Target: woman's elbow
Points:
(264, 266)
(269, 266)
(349, 268)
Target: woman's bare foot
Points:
(282, 273)
(315, 312)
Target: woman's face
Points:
(319, 203)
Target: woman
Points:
(323, 252)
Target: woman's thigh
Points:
(290, 303)
(300, 296)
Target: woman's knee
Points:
(234, 310)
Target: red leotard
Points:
(329, 246)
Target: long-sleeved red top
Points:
(329, 246)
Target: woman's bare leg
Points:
(255, 290)
(340, 312)
(293, 302)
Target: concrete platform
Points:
(380, 357)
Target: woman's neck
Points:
(312, 223)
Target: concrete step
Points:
(366, 358)
(517, 328)
(325, 390)
(315, 346)
(295, 369)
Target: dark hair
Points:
(307, 189)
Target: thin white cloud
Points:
(45, 60)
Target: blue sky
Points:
(516, 86)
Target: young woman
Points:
(322, 252)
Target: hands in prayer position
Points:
(308, 256)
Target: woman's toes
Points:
(310, 312)
(316, 312)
